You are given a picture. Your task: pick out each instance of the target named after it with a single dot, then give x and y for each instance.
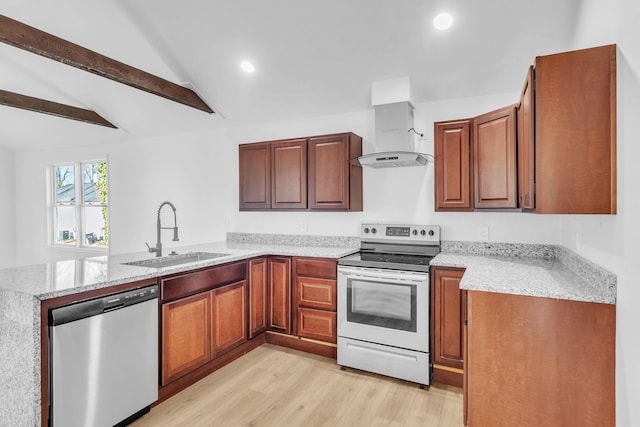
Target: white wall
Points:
(617, 237)
(7, 209)
(198, 172)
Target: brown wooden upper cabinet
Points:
(311, 173)
(526, 148)
(564, 128)
(453, 178)
(494, 159)
(289, 174)
(575, 132)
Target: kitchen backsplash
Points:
(294, 240)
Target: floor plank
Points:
(277, 386)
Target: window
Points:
(80, 215)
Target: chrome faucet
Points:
(158, 247)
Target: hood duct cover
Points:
(394, 142)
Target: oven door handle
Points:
(377, 274)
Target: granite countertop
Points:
(54, 279)
(543, 271)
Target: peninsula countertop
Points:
(55, 279)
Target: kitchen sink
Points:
(178, 259)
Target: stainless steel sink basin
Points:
(171, 260)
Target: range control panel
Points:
(401, 232)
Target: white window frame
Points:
(79, 207)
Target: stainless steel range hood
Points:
(395, 146)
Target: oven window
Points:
(386, 305)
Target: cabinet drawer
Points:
(317, 324)
(316, 267)
(317, 293)
(198, 281)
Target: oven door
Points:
(384, 306)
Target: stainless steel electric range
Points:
(383, 301)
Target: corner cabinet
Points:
(310, 173)
(453, 177)
(554, 153)
(279, 269)
(258, 296)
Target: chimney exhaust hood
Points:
(395, 136)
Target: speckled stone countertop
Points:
(51, 280)
(23, 288)
(531, 270)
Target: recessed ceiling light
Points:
(247, 66)
(443, 21)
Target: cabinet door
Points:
(255, 176)
(280, 294)
(575, 131)
(452, 152)
(229, 317)
(448, 309)
(329, 172)
(289, 174)
(317, 324)
(258, 289)
(526, 139)
(185, 335)
(494, 159)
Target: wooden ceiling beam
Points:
(38, 105)
(31, 39)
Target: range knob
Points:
(431, 232)
(366, 230)
(373, 230)
(423, 233)
(414, 232)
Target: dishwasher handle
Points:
(93, 307)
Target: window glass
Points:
(65, 225)
(65, 184)
(95, 226)
(79, 209)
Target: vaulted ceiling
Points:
(311, 58)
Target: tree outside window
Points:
(80, 204)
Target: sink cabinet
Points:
(310, 173)
(204, 315)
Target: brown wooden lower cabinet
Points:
(201, 327)
(186, 329)
(280, 294)
(229, 317)
(448, 325)
(317, 324)
(539, 362)
(258, 296)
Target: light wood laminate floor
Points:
(277, 386)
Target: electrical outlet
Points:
(483, 234)
(303, 226)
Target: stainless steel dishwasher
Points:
(103, 359)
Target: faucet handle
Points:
(150, 248)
